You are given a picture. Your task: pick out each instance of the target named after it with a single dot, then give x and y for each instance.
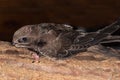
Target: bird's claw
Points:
(36, 58)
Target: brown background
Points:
(86, 13)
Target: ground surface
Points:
(16, 64)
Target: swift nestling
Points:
(61, 40)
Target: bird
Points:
(62, 40)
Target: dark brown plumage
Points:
(61, 40)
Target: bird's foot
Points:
(36, 58)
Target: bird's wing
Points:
(87, 41)
(94, 38)
(111, 28)
(81, 43)
(111, 39)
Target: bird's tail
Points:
(111, 28)
(111, 39)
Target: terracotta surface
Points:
(16, 64)
(86, 13)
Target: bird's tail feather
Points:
(111, 28)
(111, 39)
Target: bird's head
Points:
(30, 36)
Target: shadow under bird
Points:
(62, 40)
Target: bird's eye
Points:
(23, 40)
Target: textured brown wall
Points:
(87, 13)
